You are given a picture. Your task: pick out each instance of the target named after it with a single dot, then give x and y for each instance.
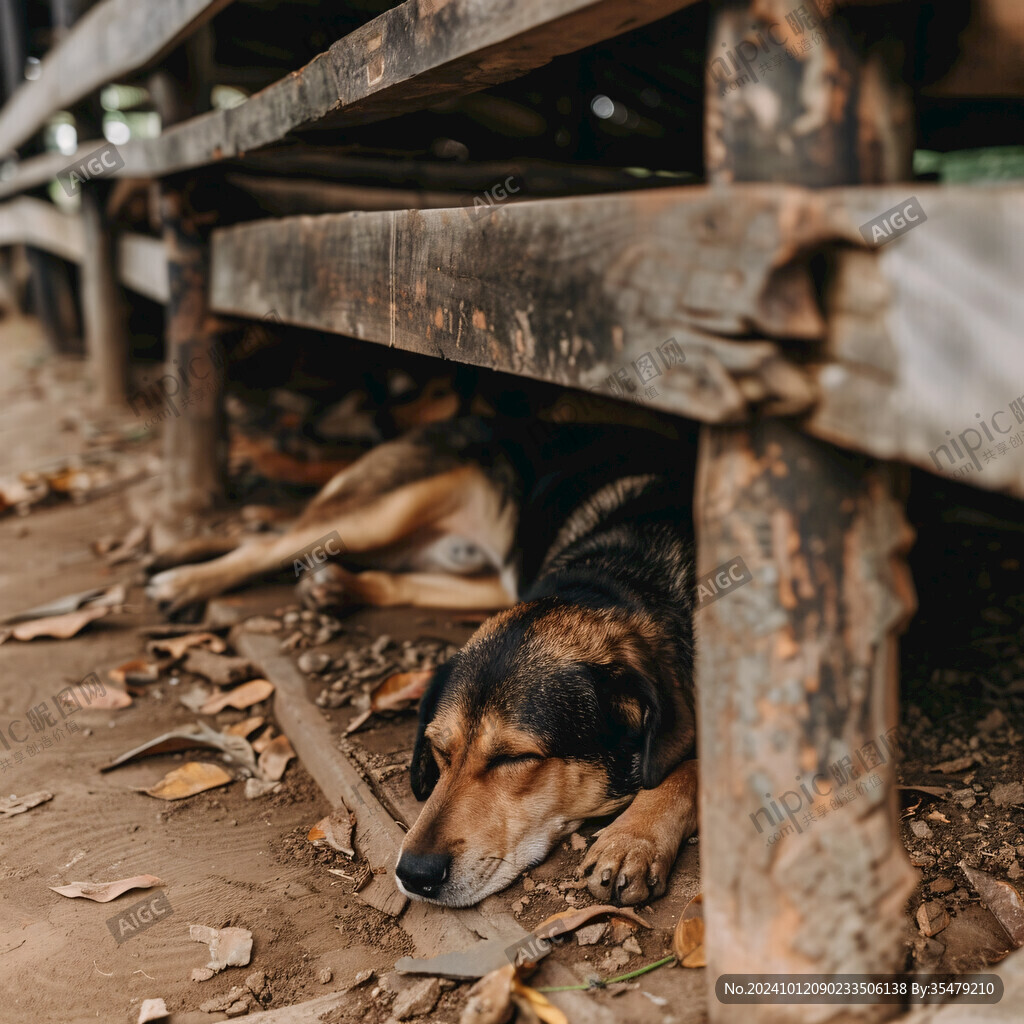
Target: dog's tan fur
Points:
(401, 510)
(495, 823)
(391, 507)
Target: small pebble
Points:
(314, 662)
(325, 976)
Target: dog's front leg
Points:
(631, 859)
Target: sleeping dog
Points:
(575, 699)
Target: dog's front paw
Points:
(626, 868)
(173, 589)
(327, 588)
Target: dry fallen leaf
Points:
(570, 920)
(60, 627)
(191, 778)
(11, 805)
(397, 691)
(937, 816)
(490, 1000)
(104, 892)
(176, 646)
(241, 697)
(261, 742)
(400, 689)
(530, 1001)
(688, 939)
(152, 1009)
(697, 958)
(274, 759)
(111, 699)
(244, 728)
(335, 830)
(496, 995)
(939, 791)
(229, 947)
(99, 597)
(219, 669)
(137, 672)
(190, 737)
(1002, 899)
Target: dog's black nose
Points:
(423, 873)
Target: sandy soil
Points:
(229, 861)
(224, 860)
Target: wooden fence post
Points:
(103, 304)
(195, 441)
(804, 872)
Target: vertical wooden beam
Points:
(804, 872)
(795, 97)
(195, 441)
(195, 436)
(103, 303)
(797, 681)
(52, 296)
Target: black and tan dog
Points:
(575, 699)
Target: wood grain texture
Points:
(141, 260)
(406, 59)
(195, 440)
(104, 311)
(796, 677)
(378, 836)
(112, 39)
(884, 360)
(805, 101)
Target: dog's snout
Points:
(423, 874)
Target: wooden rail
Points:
(113, 39)
(406, 59)
(906, 343)
(141, 260)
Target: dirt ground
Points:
(225, 861)
(229, 861)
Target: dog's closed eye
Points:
(501, 760)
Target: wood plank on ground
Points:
(114, 38)
(378, 836)
(573, 291)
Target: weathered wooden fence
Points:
(819, 362)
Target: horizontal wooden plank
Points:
(41, 225)
(142, 261)
(573, 291)
(406, 59)
(114, 38)
(38, 170)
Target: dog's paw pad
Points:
(327, 587)
(174, 588)
(625, 868)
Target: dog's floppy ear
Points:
(423, 772)
(664, 736)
